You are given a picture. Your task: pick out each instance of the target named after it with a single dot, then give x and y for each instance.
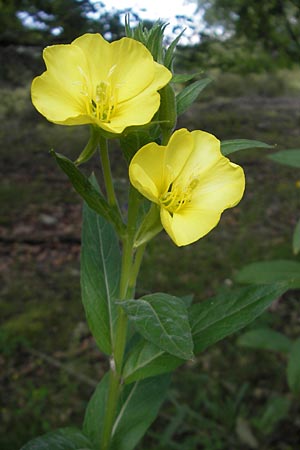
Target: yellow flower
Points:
(190, 180)
(91, 81)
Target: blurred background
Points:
(229, 397)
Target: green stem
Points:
(110, 191)
(129, 274)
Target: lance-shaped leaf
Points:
(293, 368)
(189, 94)
(228, 312)
(265, 272)
(61, 439)
(296, 239)
(100, 274)
(163, 320)
(265, 339)
(138, 406)
(234, 145)
(88, 192)
(147, 360)
(287, 157)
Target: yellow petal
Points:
(146, 171)
(179, 149)
(56, 93)
(220, 187)
(189, 225)
(206, 152)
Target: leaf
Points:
(276, 409)
(87, 191)
(287, 157)
(147, 360)
(293, 368)
(61, 439)
(189, 94)
(100, 274)
(138, 407)
(265, 272)
(234, 145)
(265, 339)
(184, 77)
(296, 238)
(163, 320)
(228, 312)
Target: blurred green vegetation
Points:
(49, 363)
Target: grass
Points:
(217, 401)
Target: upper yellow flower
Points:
(111, 85)
(190, 180)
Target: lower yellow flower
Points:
(91, 81)
(191, 181)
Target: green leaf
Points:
(169, 54)
(138, 406)
(266, 272)
(228, 312)
(293, 368)
(189, 94)
(287, 157)
(184, 77)
(95, 412)
(296, 238)
(276, 409)
(147, 360)
(163, 320)
(100, 274)
(87, 191)
(234, 145)
(265, 339)
(61, 439)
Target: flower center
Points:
(104, 102)
(177, 196)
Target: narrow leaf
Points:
(138, 406)
(61, 439)
(100, 274)
(147, 360)
(169, 55)
(189, 94)
(287, 157)
(293, 368)
(265, 339)
(276, 409)
(184, 77)
(296, 239)
(163, 320)
(87, 191)
(271, 272)
(228, 312)
(234, 145)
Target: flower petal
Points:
(56, 93)
(179, 149)
(189, 225)
(146, 171)
(220, 187)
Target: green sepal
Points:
(167, 113)
(61, 439)
(90, 147)
(235, 145)
(88, 192)
(150, 226)
(189, 94)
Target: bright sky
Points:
(164, 10)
